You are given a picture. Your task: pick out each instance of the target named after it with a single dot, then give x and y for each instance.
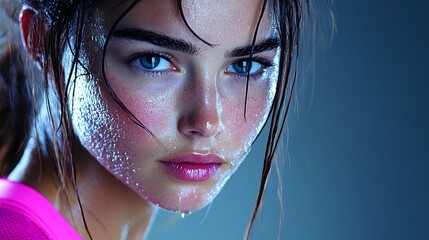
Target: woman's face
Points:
(190, 96)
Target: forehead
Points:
(215, 21)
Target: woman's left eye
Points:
(153, 62)
(244, 66)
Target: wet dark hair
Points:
(63, 23)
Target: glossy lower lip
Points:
(193, 167)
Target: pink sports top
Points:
(26, 214)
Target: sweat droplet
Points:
(183, 215)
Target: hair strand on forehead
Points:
(182, 15)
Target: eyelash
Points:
(133, 60)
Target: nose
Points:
(202, 110)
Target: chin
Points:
(184, 197)
(174, 192)
(187, 199)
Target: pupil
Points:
(150, 62)
(242, 66)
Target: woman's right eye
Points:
(154, 62)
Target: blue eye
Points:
(154, 62)
(243, 66)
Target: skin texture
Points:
(193, 105)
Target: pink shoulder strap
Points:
(25, 201)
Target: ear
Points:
(30, 34)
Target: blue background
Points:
(358, 161)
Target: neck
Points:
(111, 209)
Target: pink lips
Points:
(193, 167)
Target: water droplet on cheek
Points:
(100, 129)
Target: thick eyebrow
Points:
(156, 39)
(266, 45)
(180, 45)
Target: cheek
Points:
(243, 131)
(104, 130)
(152, 113)
(98, 127)
(261, 92)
